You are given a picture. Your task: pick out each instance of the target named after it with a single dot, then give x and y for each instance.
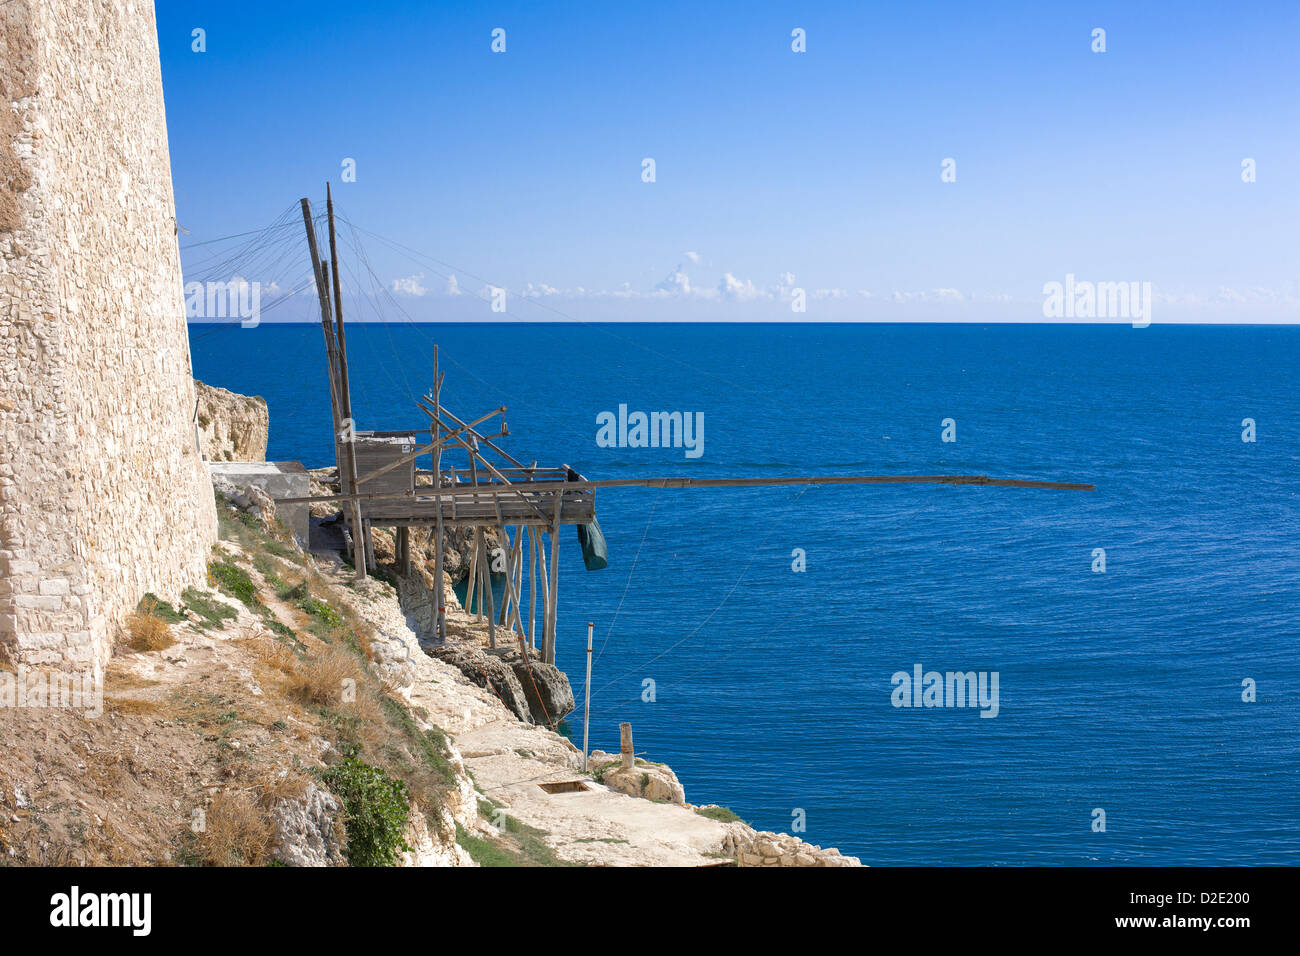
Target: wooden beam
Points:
(501, 452)
(423, 450)
(706, 483)
(476, 455)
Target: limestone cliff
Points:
(232, 427)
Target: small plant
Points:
(721, 814)
(154, 605)
(430, 745)
(320, 680)
(376, 811)
(235, 833)
(209, 612)
(321, 612)
(148, 630)
(231, 579)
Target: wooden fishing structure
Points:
(486, 490)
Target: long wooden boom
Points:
(469, 491)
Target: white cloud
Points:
(411, 285)
(694, 257)
(453, 285)
(737, 290)
(676, 282)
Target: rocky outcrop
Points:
(486, 670)
(232, 427)
(753, 847)
(550, 697)
(249, 499)
(309, 829)
(651, 781)
(432, 841)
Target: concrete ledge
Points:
(279, 479)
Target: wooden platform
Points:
(531, 509)
(380, 450)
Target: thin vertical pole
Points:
(532, 587)
(472, 590)
(487, 591)
(348, 459)
(323, 297)
(546, 589)
(548, 651)
(404, 551)
(586, 716)
(435, 434)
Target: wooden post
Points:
(586, 714)
(487, 591)
(546, 585)
(404, 550)
(339, 402)
(548, 652)
(509, 614)
(323, 295)
(503, 612)
(435, 433)
(519, 578)
(532, 587)
(514, 583)
(472, 587)
(625, 746)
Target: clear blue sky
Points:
(525, 167)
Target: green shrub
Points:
(153, 605)
(376, 811)
(721, 814)
(321, 612)
(233, 580)
(211, 613)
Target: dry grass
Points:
(273, 654)
(236, 832)
(132, 706)
(276, 788)
(326, 680)
(146, 631)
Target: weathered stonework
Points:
(103, 495)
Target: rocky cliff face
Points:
(232, 427)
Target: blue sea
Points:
(1120, 691)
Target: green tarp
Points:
(595, 553)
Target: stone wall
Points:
(103, 495)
